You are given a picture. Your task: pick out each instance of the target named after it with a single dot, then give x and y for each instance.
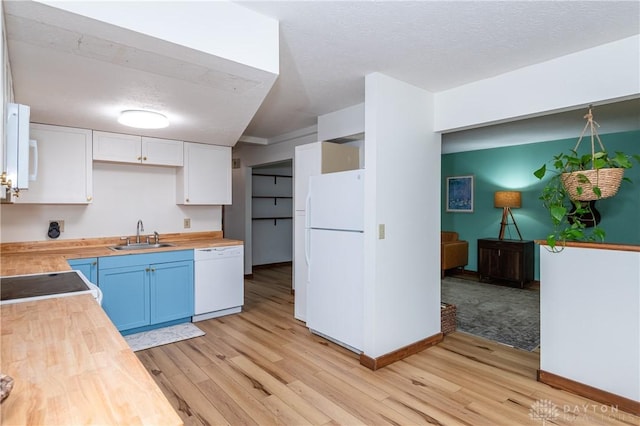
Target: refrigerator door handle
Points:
(307, 204)
(307, 249)
(307, 235)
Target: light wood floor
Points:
(263, 367)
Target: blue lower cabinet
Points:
(88, 267)
(125, 296)
(147, 291)
(171, 291)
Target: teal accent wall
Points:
(511, 168)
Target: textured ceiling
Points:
(326, 49)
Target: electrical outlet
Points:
(381, 231)
(60, 223)
(187, 223)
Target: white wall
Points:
(604, 73)
(237, 217)
(123, 193)
(590, 318)
(402, 191)
(342, 123)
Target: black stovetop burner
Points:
(25, 286)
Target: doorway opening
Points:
(272, 213)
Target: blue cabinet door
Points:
(171, 291)
(126, 295)
(88, 267)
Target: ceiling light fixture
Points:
(143, 119)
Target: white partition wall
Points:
(402, 201)
(590, 317)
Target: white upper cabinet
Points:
(162, 152)
(64, 167)
(121, 148)
(116, 147)
(205, 178)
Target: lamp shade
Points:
(511, 199)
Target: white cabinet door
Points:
(205, 178)
(307, 163)
(116, 147)
(65, 173)
(121, 148)
(162, 152)
(300, 267)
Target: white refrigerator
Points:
(312, 159)
(334, 252)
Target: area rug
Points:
(162, 336)
(504, 314)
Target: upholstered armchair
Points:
(454, 253)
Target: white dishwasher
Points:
(218, 281)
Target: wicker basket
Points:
(447, 318)
(608, 180)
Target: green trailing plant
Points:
(567, 213)
(577, 181)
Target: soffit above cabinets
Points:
(76, 71)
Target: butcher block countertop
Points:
(69, 363)
(51, 256)
(71, 366)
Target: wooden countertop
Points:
(71, 366)
(69, 363)
(593, 245)
(51, 256)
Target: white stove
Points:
(24, 288)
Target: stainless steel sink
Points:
(141, 246)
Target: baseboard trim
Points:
(397, 355)
(271, 265)
(623, 403)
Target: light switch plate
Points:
(381, 231)
(187, 223)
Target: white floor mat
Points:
(162, 336)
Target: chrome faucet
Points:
(139, 228)
(156, 237)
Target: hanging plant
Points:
(577, 180)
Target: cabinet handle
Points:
(186, 200)
(153, 269)
(89, 198)
(94, 263)
(139, 158)
(147, 270)
(144, 158)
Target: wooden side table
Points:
(506, 260)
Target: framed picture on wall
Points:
(460, 194)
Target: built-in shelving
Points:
(276, 187)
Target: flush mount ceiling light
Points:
(143, 119)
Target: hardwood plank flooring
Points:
(263, 367)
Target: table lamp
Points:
(507, 200)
